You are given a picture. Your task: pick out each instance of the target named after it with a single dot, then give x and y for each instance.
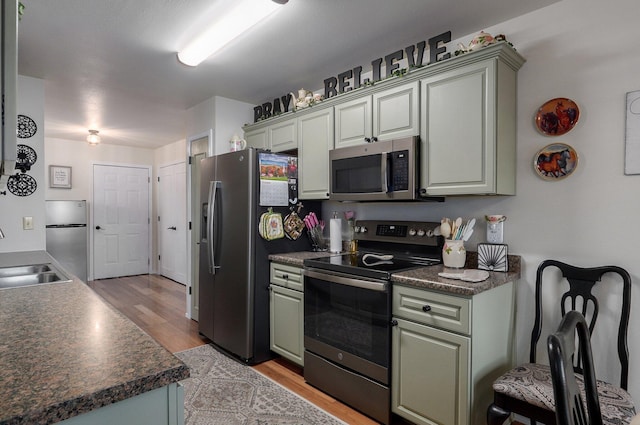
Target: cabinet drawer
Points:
(433, 309)
(287, 276)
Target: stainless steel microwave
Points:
(375, 171)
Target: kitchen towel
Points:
(335, 235)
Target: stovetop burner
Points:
(386, 247)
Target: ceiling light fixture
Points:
(243, 16)
(93, 137)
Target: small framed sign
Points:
(59, 177)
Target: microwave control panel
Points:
(400, 171)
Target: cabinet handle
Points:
(426, 308)
(285, 276)
(394, 322)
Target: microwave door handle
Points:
(212, 226)
(385, 172)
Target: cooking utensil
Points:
(468, 231)
(445, 229)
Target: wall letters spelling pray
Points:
(352, 78)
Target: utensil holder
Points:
(454, 255)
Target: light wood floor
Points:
(158, 306)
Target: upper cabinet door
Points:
(459, 130)
(257, 138)
(316, 140)
(396, 112)
(283, 136)
(353, 122)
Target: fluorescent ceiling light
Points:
(243, 16)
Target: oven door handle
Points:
(348, 281)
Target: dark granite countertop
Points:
(297, 258)
(64, 351)
(427, 277)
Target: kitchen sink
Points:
(35, 274)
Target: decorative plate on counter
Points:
(555, 161)
(557, 116)
(26, 127)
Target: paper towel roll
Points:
(335, 235)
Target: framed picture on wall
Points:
(59, 177)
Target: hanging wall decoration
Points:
(26, 157)
(22, 184)
(26, 127)
(557, 116)
(555, 161)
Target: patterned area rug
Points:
(222, 391)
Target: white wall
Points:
(81, 156)
(12, 207)
(583, 50)
(225, 116)
(230, 117)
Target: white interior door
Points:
(172, 221)
(120, 221)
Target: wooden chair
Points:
(527, 389)
(561, 347)
(573, 375)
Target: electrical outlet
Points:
(27, 223)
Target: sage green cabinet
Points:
(162, 406)
(430, 361)
(468, 136)
(283, 136)
(286, 303)
(354, 122)
(388, 114)
(463, 108)
(315, 140)
(446, 352)
(258, 138)
(278, 137)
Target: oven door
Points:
(347, 321)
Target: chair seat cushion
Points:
(531, 382)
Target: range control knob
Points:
(430, 233)
(363, 229)
(412, 232)
(421, 232)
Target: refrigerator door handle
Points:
(211, 226)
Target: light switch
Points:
(27, 223)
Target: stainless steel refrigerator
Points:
(234, 264)
(66, 233)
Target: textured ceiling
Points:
(111, 65)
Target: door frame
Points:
(91, 220)
(190, 263)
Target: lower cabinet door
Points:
(286, 323)
(429, 374)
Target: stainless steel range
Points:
(347, 311)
